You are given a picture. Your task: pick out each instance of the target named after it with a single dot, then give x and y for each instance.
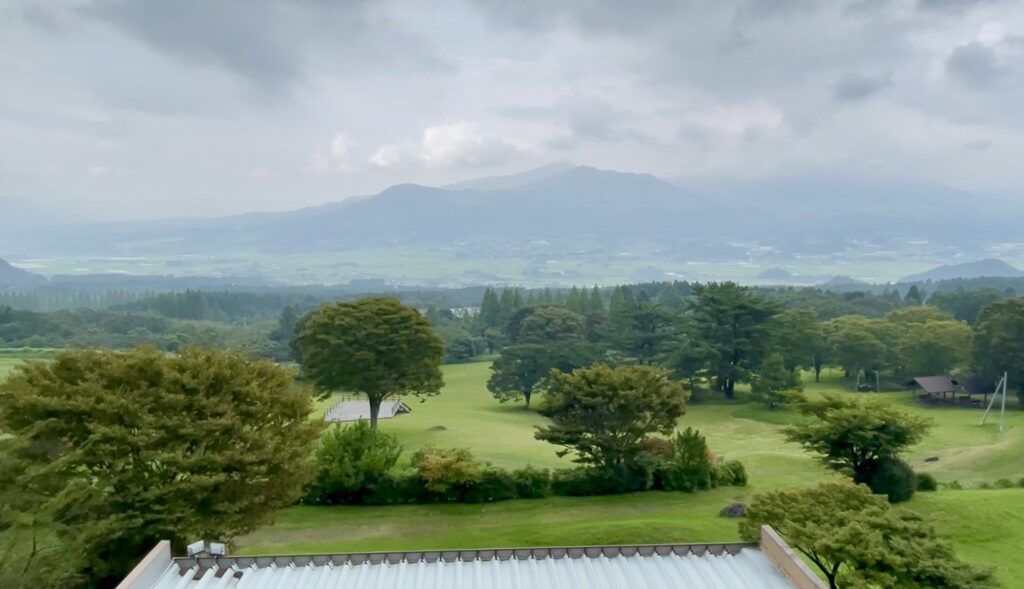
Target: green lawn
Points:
(11, 357)
(986, 525)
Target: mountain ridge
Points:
(985, 268)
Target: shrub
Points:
(954, 486)
(492, 484)
(735, 509)
(442, 470)
(592, 481)
(685, 465)
(532, 483)
(1004, 484)
(351, 460)
(397, 489)
(894, 479)
(729, 473)
(1020, 483)
(926, 482)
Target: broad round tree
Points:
(375, 346)
(106, 453)
(605, 415)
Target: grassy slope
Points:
(986, 525)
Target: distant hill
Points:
(989, 268)
(842, 281)
(13, 276)
(562, 222)
(578, 204)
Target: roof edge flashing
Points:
(150, 568)
(788, 562)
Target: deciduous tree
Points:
(998, 343)
(856, 438)
(117, 451)
(604, 415)
(375, 346)
(934, 347)
(857, 540)
(519, 369)
(797, 335)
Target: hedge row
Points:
(357, 465)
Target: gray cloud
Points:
(983, 66)
(952, 5)
(272, 44)
(974, 64)
(197, 106)
(854, 87)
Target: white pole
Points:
(1002, 410)
(995, 395)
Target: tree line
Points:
(718, 335)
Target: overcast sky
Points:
(197, 107)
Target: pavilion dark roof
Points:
(937, 384)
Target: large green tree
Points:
(774, 385)
(605, 415)
(730, 325)
(797, 335)
(374, 346)
(859, 343)
(966, 305)
(857, 540)
(642, 330)
(518, 371)
(998, 343)
(544, 324)
(115, 451)
(854, 437)
(934, 347)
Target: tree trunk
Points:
(374, 412)
(730, 388)
(527, 395)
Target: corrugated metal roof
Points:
(936, 384)
(717, 566)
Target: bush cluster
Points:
(926, 482)
(358, 465)
(895, 479)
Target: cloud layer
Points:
(148, 107)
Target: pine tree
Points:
(595, 306)
(490, 311)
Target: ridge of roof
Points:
(392, 557)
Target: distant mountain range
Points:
(13, 276)
(561, 210)
(990, 268)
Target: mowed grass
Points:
(12, 357)
(986, 525)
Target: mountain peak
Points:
(510, 181)
(14, 276)
(986, 268)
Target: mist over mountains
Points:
(564, 210)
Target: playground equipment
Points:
(999, 394)
(864, 381)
